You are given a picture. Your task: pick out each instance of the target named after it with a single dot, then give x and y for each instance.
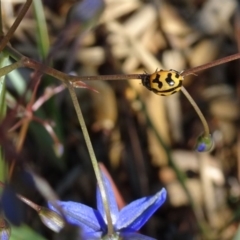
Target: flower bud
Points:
(5, 230)
(51, 219)
(204, 143)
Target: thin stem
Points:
(211, 64)
(7, 69)
(198, 111)
(92, 156)
(13, 53)
(29, 203)
(135, 76)
(22, 135)
(110, 77)
(30, 63)
(15, 25)
(179, 173)
(27, 62)
(2, 185)
(1, 23)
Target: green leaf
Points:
(42, 32)
(24, 233)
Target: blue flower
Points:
(126, 222)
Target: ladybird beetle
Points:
(163, 82)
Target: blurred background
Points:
(145, 141)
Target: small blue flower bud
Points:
(204, 143)
(51, 219)
(5, 230)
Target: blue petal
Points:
(5, 229)
(92, 236)
(4, 235)
(81, 215)
(111, 201)
(12, 206)
(135, 236)
(137, 213)
(86, 10)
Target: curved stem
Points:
(198, 111)
(92, 156)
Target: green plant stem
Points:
(198, 111)
(92, 156)
(67, 79)
(13, 53)
(7, 69)
(180, 174)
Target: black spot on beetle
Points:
(177, 75)
(156, 80)
(169, 80)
